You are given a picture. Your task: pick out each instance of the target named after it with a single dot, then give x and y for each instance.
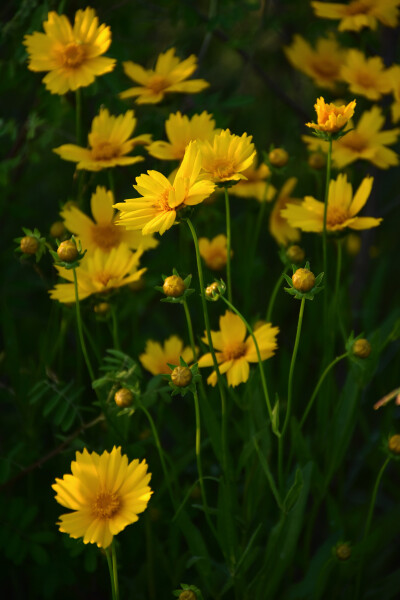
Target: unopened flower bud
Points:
(394, 444)
(181, 376)
(343, 551)
(295, 254)
(278, 157)
(57, 230)
(123, 398)
(174, 286)
(212, 289)
(353, 244)
(361, 348)
(187, 595)
(29, 245)
(317, 160)
(303, 280)
(67, 251)
(102, 308)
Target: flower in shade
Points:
(366, 141)
(227, 156)
(255, 184)
(366, 76)
(170, 75)
(180, 131)
(157, 357)
(234, 351)
(343, 208)
(322, 64)
(279, 228)
(109, 143)
(359, 13)
(394, 74)
(214, 252)
(332, 118)
(161, 200)
(102, 232)
(105, 492)
(72, 55)
(99, 272)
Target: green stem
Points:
(110, 570)
(254, 243)
(115, 570)
(228, 245)
(78, 116)
(115, 335)
(337, 288)
(274, 294)
(80, 331)
(190, 328)
(324, 233)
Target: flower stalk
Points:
(80, 330)
(228, 244)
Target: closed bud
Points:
(303, 280)
(123, 398)
(29, 245)
(361, 348)
(212, 289)
(187, 595)
(317, 160)
(343, 551)
(174, 286)
(394, 444)
(353, 244)
(278, 157)
(181, 376)
(67, 251)
(102, 308)
(295, 254)
(57, 230)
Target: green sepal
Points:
(300, 295)
(180, 299)
(34, 234)
(196, 378)
(69, 265)
(188, 588)
(221, 290)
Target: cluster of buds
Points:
(303, 283)
(175, 288)
(31, 243)
(215, 290)
(183, 378)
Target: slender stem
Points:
(337, 288)
(254, 243)
(115, 570)
(190, 328)
(116, 343)
(228, 245)
(324, 235)
(274, 294)
(110, 570)
(80, 331)
(78, 115)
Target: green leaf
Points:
(294, 492)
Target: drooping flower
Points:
(109, 143)
(161, 200)
(99, 272)
(156, 357)
(332, 118)
(343, 208)
(234, 351)
(105, 492)
(170, 75)
(256, 184)
(322, 64)
(227, 156)
(180, 131)
(359, 13)
(366, 76)
(214, 252)
(72, 55)
(102, 232)
(279, 228)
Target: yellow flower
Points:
(109, 143)
(180, 131)
(161, 200)
(234, 352)
(103, 232)
(169, 75)
(255, 185)
(227, 156)
(156, 357)
(342, 208)
(322, 64)
(105, 492)
(72, 55)
(366, 142)
(332, 118)
(214, 252)
(279, 228)
(359, 13)
(394, 74)
(366, 76)
(99, 272)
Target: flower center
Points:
(235, 350)
(325, 67)
(355, 141)
(223, 168)
(106, 505)
(336, 215)
(358, 7)
(365, 79)
(73, 55)
(106, 236)
(157, 84)
(104, 151)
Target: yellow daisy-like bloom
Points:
(234, 352)
(394, 74)
(359, 13)
(105, 492)
(214, 252)
(156, 357)
(332, 118)
(169, 76)
(72, 55)
(366, 142)
(161, 200)
(227, 156)
(366, 76)
(98, 273)
(342, 208)
(279, 228)
(103, 232)
(322, 64)
(255, 185)
(180, 131)
(109, 143)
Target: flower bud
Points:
(317, 160)
(212, 289)
(353, 244)
(123, 398)
(394, 444)
(303, 280)
(187, 595)
(343, 551)
(295, 254)
(174, 286)
(67, 251)
(361, 348)
(278, 157)
(181, 376)
(57, 230)
(29, 245)
(102, 308)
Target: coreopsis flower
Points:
(214, 252)
(102, 232)
(359, 13)
(343, 208)
(366, 76)
(169, 75)
(99, 272)
(157, 357)
(279, 228)
(256, 184)
(109, 143)
(105, 492)
(394, 74)
(322, 64)
(180, 131)
(72, 55)
(332, 118)
(161, 200)
(227, 156)
(366, 141)
(234, 351)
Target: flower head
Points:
(72, 55)
(322, 64)
(156, 358)
(366, 76)
(227, 156)
(359, 13)
(279, 228)
(169, 75)
(105, 492)
(332, 118)
(303, 280)
(214, 252)
(234, 351)
(255, 183)
(109, 143)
